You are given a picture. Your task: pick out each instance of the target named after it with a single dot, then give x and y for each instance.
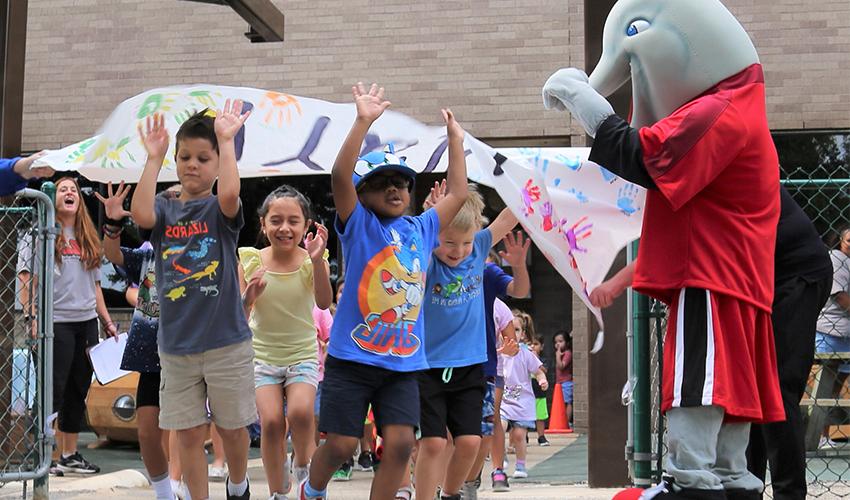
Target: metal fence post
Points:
(641, 407)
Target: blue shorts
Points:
(567, 391)
(500, 382)
(825, 343)
(349, 388)
(523, 424)
(318, 398)
(488, 408)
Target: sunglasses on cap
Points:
(381, 182)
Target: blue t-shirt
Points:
(496, 283)
(10, 182)
(454, 309)
(378, 320)
(141, 355)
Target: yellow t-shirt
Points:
(282, 317)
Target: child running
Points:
(451, 390)
(281, 285)
(518, 411)
(204, 339)
(376, 339)
(540, 393)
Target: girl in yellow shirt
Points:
(280, 285)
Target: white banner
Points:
(578, 214)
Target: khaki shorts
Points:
(224, 376)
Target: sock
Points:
(67, 455)
(520, 464)
(237, 489)
(175, 484)
(310, 492)
(162, 486)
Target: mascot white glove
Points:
(568, 88)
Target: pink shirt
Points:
(323, 320)
(502, 316)
(518, 400)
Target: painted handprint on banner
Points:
(530, 194)
(573, 162)
(546, 212)
(574, 234)
(156, 103)
(607, 175)
(580, 196)
(278, 107)
(626, 199)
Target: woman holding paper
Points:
(77, 304)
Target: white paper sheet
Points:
(106, 359)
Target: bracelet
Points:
(111, 232)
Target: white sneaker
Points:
(278, 496)
(520, 473)
(826, 443)
(217, 474)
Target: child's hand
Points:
(515, 250)
(24, 168)
(255, 288)
(438, 192)
(113, 204)
(509, 347)
(315, 243)
(543, 383)
(453, 128)
(155, 136)
(230, 120)
(371, 104)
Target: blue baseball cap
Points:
(381, 161)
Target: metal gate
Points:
(27, 228)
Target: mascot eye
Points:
(636, 27)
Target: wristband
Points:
(116, 223)
(111, 232)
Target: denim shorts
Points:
(825, 343)
(488, 408)
(306, 372)
(567, 391)
(525, 424)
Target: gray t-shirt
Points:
(833, 319)
(196, 276)
(74, 286)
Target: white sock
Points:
(175, 484)
(162, 487)
(237, 488)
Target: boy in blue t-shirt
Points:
(451, 391)
(376, 340)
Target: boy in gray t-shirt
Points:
(204, 338)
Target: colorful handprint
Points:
(575, 234)
(530, 194)
(626, 199)
(546, 211)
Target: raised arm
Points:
(155, 140)
(514, 253)
(227, 124)
(113, 207)
(502, 225)
(370, 105)
(456, 186)
(315, 245)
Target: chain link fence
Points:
(26, 242)
(824, 194)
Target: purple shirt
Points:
(518, 400)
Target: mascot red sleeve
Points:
(698, 140)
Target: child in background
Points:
(204, 339)
(518, 411)
(564, 369)
(323, 319)
(451, 390)
(281, 284)
(376, 340)
(539, 392)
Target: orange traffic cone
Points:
(558, 414)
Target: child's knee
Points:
(194, 436)
(299, 414)
(430, 446)
(233, 435)
(399, 448)
(341, 448)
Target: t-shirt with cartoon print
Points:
(378, 319)
(140, 354)
(196, 276)
(455, 329)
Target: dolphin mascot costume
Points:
(698, 140)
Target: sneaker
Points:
(300, 473)
(216, 474)
(343, 473)
(826, 443)
(500, 481)
(303, 496)
(542, 441)
(405, 493)
(365, 461)
(77, 464)
(182, 491)
(450, 497)
(520, 472)
(244, 496)
(54, 470)
(470, 490)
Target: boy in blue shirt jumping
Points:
(376, 346)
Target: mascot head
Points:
(673, 51)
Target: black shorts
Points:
(349, 388)
(147, 392)
(453, 398)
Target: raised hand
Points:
(370, 104)
(453, 128)
(255, 288)
(229, 120)
(113, 204)
(515, 249)
(154, 136)
(509, 347)
(23, 167)
(438, 192)
(315, 243)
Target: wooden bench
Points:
(818, 401)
